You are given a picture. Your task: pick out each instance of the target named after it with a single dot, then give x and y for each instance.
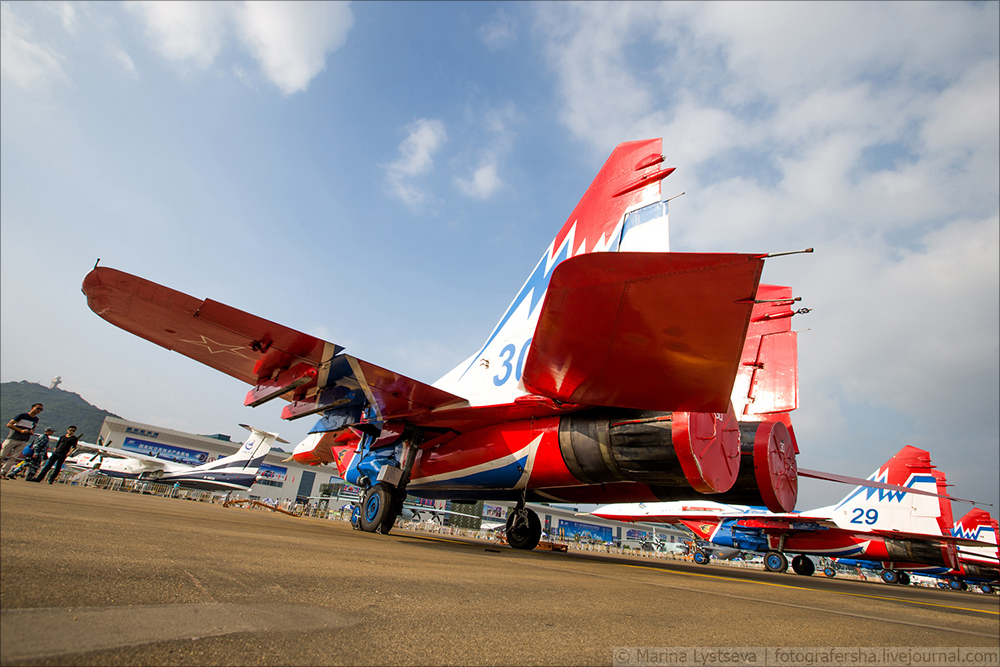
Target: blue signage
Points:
(586, 531)
(273, 473)
(165, 452)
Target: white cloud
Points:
(416, 158)
(485, 180)
(24, 61)
(483, 184)
(289, 40)
(185, 31)
(499, 31)
(125, 59)
(67, 14)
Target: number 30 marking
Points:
(506, 357)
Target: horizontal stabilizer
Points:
(857, 481)
(651, 331)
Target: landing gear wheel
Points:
(775, 561)
(802, 565)
(375, 507)
(523, 529)
(830, 572)
(889, 576)
(955, 585)
(904, 578)
(356, 516)
(395, 509)
(701, 558)
(987, 588)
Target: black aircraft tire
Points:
(377, 503)
(904, 578)
(700, 557)
(395, 509)
(803, 566)
(889, 576)
(830, 572)
(523, 534)
(775, 561)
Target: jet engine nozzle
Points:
(768, 471)
(677, 452)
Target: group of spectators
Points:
(25, 452)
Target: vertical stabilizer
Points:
(869, 509)
(980, 526)
(250, 455)
(621, 211)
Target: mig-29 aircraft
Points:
(904, 530)
(621, 372)
(976, 564)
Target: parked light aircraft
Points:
(903, 530)
(237, 472)
(620, 372)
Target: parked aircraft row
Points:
(620, 372)
(896, 532)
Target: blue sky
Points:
(385, 175)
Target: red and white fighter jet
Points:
(620, 372)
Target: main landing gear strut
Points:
(523, 527)
(382, 502)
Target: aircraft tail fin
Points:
(980, 526)
(251, 454)
(608, 316)
(767, 382)
(872, 509)
(620, 211)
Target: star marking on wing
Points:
(209, 344)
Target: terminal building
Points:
(282, 480)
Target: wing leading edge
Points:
(279, 362)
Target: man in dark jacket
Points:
(63, 449)
(32, 456)
(21, 427)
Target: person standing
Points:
(21, 427)
(40, 451)
(63, 448)
(32, 456)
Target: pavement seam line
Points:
(800, 588)
(781, 604)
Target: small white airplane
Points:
(231, 473)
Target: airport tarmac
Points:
(97, 577)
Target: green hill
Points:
(62, 408)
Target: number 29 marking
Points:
(861, 516)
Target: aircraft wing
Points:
(277, 361)
(651, 331)
(148, 462)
